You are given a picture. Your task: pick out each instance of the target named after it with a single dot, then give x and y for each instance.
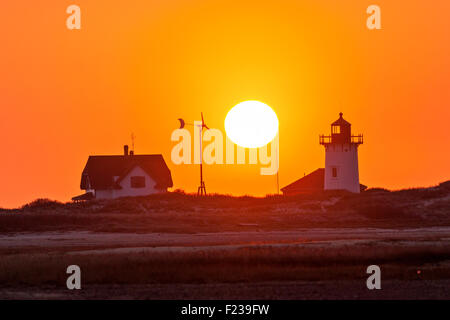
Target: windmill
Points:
(201, 189)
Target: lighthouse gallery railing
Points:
(327, 139)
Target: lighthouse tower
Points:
(341, 157)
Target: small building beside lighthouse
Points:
(341, 157)
(341, 164)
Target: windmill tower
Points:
(202, 188)
(341, 157)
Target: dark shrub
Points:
(445, 185)
(43, 204)
(432, 193)
(377, 190)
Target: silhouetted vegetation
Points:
(217, 265)
(45, 204)
(186, 213)
(239, 262)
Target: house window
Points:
(138, 182)
(336, 129)
(334, 172)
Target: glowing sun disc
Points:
(251, 124)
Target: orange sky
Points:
(137, 66)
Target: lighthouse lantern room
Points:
(341, 157)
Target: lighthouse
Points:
(341, 157)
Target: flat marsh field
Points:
(179, 246)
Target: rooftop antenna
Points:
(133, 137)
(202, 188)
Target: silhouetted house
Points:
(127, 175)
(311, 183)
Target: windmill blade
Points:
(182, 123)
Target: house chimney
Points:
(131, 152)
(125, 150)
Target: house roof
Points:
(85, 196)
(100, 171)
(310, 183)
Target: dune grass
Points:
(253, 263)
(183, 213)
(248, 264)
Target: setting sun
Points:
(251, 124)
